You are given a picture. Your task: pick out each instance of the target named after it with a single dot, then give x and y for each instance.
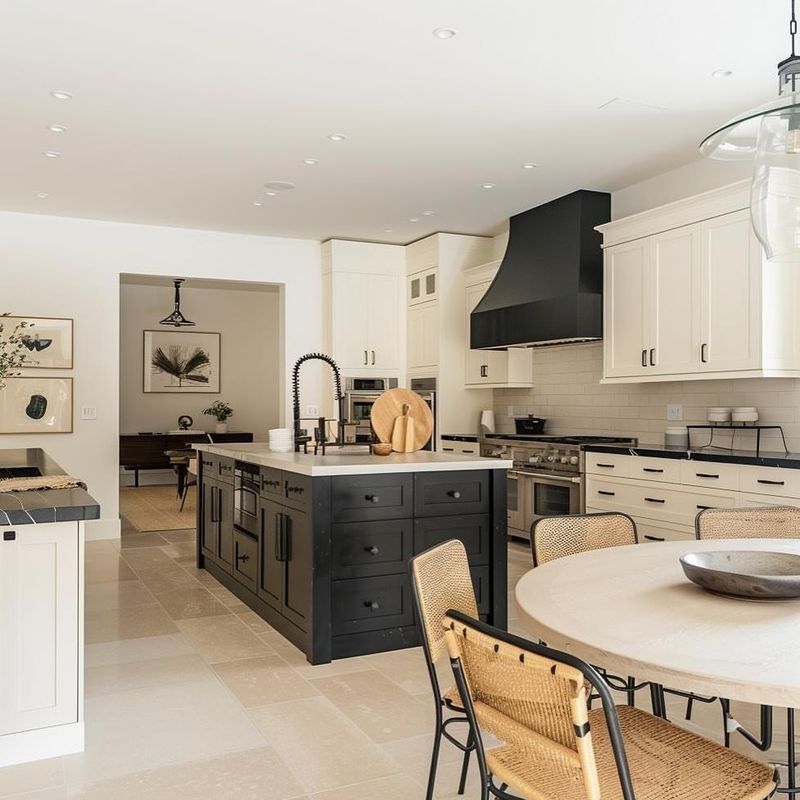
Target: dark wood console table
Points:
(148, 450)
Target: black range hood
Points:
(549, 288)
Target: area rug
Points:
(155, 508)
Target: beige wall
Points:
(62, 267)
(251, 370)
(569, 395)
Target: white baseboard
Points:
(60, 740)
(102, 529)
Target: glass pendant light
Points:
(770, 134)
(176, 318)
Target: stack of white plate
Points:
(744, 414)
(719, 414)
(280, 440)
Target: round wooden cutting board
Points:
(389, 406)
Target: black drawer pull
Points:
(372, 550)
(703, 508)
(448, 449)
(606, 466)
(654, 538)
(608, 494)
(371, 605)
(651, 469)
(9, 536)
(772, 483)
(455, 494)
(372, 498)
(654, 500)
(295, 489)
(706, 475)
(273, 484)
(244, 557)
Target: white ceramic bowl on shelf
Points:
(718, 414)
(744, 414)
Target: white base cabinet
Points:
(41, 641)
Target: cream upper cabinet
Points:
(688, 295)
(423, 336)
(422, 287)
(383, 322)
(482, 366)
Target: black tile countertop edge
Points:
(785, 460)
(45, 505)
(459, 437)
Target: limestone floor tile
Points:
(180, 550)
(406, 668)
(255, 774)
(158, 726)
(32, 777)
(54, 793)
(263, 680)
(191, 603)
(322, 747)
(288, 652)
(126, 651)
(223, 638)
(201, 575)
(254, 622)
(173, 537)
(153, 672)
(394, 787)
(146, 558)
(167, 578)
(379, 707)
(136, 538)
(124, 594)
(229, 599)
(106, 625)
(107, 568)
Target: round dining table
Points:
(632, 611)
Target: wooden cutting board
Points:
(389, 406)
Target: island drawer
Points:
(297, 489)
(372, 497)
(209, 464)
(224, 470)
(370, 604)
(363, 549)
(448, 493)
(271, 482)
(473, 530)
(245, 559)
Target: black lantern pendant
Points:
(176, 318)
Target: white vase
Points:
(221, 427)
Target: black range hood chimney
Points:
(549, 288)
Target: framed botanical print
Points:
(47, 341)
(36, 405)
(182, 362)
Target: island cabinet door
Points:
(225, 546)
(217, 522)
(209, 519)
(271, 573)
(39, 626)
(298, 558)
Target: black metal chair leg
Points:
(791, 770)
(185, 495)
(689, 707)
(726, 711)
(462, 784)
(630, 690)
(437, 742)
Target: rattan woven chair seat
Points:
(666, 763)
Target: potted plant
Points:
(220, 410)
(12, 350)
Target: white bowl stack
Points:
(719, 414)
(744, 414)
(281, 440)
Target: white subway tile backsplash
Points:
(568, 393)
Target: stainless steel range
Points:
(547, 479)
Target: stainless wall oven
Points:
(426, 389)
(360, 394)
(246, 487)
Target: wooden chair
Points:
(441, 580)
(534, 700)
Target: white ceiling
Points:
(182, 109)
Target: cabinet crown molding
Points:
(714, 203)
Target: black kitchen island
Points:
(319, 545)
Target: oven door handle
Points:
(542, 477)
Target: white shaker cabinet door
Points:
(626, 310)
(39, 626)
(350, 320)
(383, 315)
(423, 336)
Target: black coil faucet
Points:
(299, 439)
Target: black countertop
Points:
(717, 454)
(41, 505)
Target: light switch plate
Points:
(312, 411)
(88, 412)
(674, 412)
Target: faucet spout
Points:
(337, 377)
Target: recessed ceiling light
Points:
(61, 95)
(270, 194)
(42, 195)
(336, 137)
(721, 73)
(529, 165)
(444, 33)
(387, 230)
(273, 187)
(258, 202)
(312, 162)
(52, 154)
(57, 128)
(488, 185)
(413, 219)
(428, 213)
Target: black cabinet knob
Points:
(372, 550)
(372, 498)
(371, 605)
(456, 495)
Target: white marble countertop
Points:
(356, 462)
(632, 610)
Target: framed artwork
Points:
(36, 405)
(47, 341)
(181, 362)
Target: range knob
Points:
(573, 460)
(551, 458)
(564, 460)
